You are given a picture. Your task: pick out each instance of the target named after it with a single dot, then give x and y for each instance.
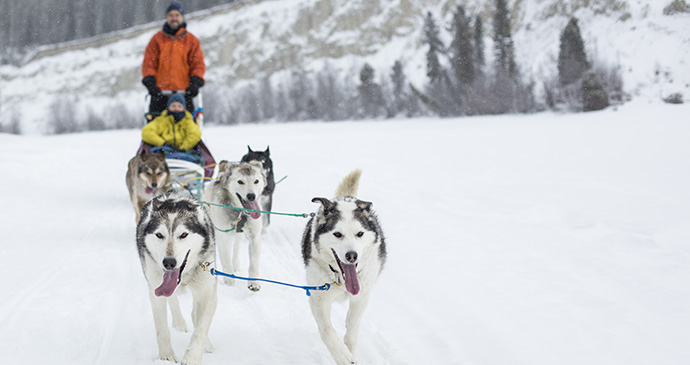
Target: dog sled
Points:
(189, 169)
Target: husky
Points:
(343, 244)
(238, 185)
(147, 176)
(266, 200)
(175, 238)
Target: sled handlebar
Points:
(170, 92)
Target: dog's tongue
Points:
(254, 206)
(169, 283)
(150, 190)
(351, 281)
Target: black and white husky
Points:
(238, 185)
(343, 244)
(174, 238)
(266, 200)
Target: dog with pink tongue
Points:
(235, 209)
(175, 238)
(343, 244)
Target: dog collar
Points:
(337, 281)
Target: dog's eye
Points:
(159, 235)
(360, 234)
(338, 234)
(240, 182)
(256, 181)
(184, 235)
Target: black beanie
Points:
(177, 98)
(174, 6)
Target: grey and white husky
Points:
(343, 244)
(238, 185)
(174, 238)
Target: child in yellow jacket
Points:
(173, 128)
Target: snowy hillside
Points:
(266, 38)
(538, 240)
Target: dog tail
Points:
(349, 185)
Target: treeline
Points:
(460, 81)
(30, 23)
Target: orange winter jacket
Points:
(173, 60)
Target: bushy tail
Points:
(349, 185)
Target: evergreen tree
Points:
(282, 105)
(462, 50)
(266, 98)
(398, 80)
(572, 60)
(503, 42)
(328, 95)
(431, 37)
(299, 93)
(479, 45)
(594, 96)
(371, 98)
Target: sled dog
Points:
(174, 237)
(147, 176)
(266, 200)
(238, 185)
(343, 244)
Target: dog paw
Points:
(180, 325)
(191, 360)
(254, 286)
(168, 357)
(209, 347)
(344, 358)
(229, 281)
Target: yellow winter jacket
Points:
(184, 134)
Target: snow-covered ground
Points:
(531, 239)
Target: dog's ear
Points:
(363, 207)
(229, 166)
(161, 154)
(222, 166)
(156, 204)
(250, 149)
(268, 151)
(258, 164)
(328, 206)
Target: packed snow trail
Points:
(530, 239)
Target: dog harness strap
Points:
(215, 272)
(303, 215)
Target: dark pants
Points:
(158, 104)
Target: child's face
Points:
(176, 107)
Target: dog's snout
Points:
(251, 197)
(169, 263)
(351, 256)
(154, 184)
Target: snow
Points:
(515, 239)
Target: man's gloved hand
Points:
(195, 83)
(150, 83)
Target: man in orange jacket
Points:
(174, 61)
